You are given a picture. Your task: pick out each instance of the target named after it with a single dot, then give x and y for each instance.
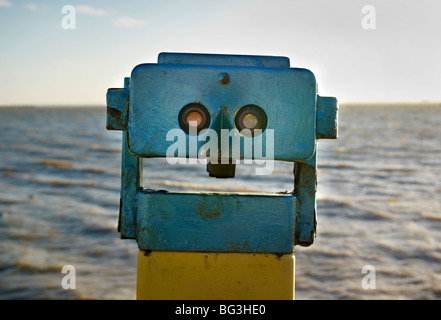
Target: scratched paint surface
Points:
(159, 92)
(221, 223)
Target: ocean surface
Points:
(379, 204)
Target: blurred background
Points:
(379, 192)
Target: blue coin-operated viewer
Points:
(219, 245)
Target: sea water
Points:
(378, 204)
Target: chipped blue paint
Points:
(148, 106)
(327, 109)
(223, 60)
(288, 97)
(215, 222)
(117, 108)
(131, 182)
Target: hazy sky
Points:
(42, 63)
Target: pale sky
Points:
(43, 64)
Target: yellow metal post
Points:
(176, 275)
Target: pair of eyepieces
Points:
(249, 117)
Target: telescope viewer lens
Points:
(250, 121)
(194, 118)
(194, 114)
(250, 117)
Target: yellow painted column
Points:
(176, 275)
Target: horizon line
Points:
(92, 105)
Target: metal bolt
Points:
(224, 78)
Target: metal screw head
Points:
(224, 78)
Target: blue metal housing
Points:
(148, 107)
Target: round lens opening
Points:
(250, 121)
(194, 115)
(250, 117)
(194, 118)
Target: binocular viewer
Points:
(221, 109)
